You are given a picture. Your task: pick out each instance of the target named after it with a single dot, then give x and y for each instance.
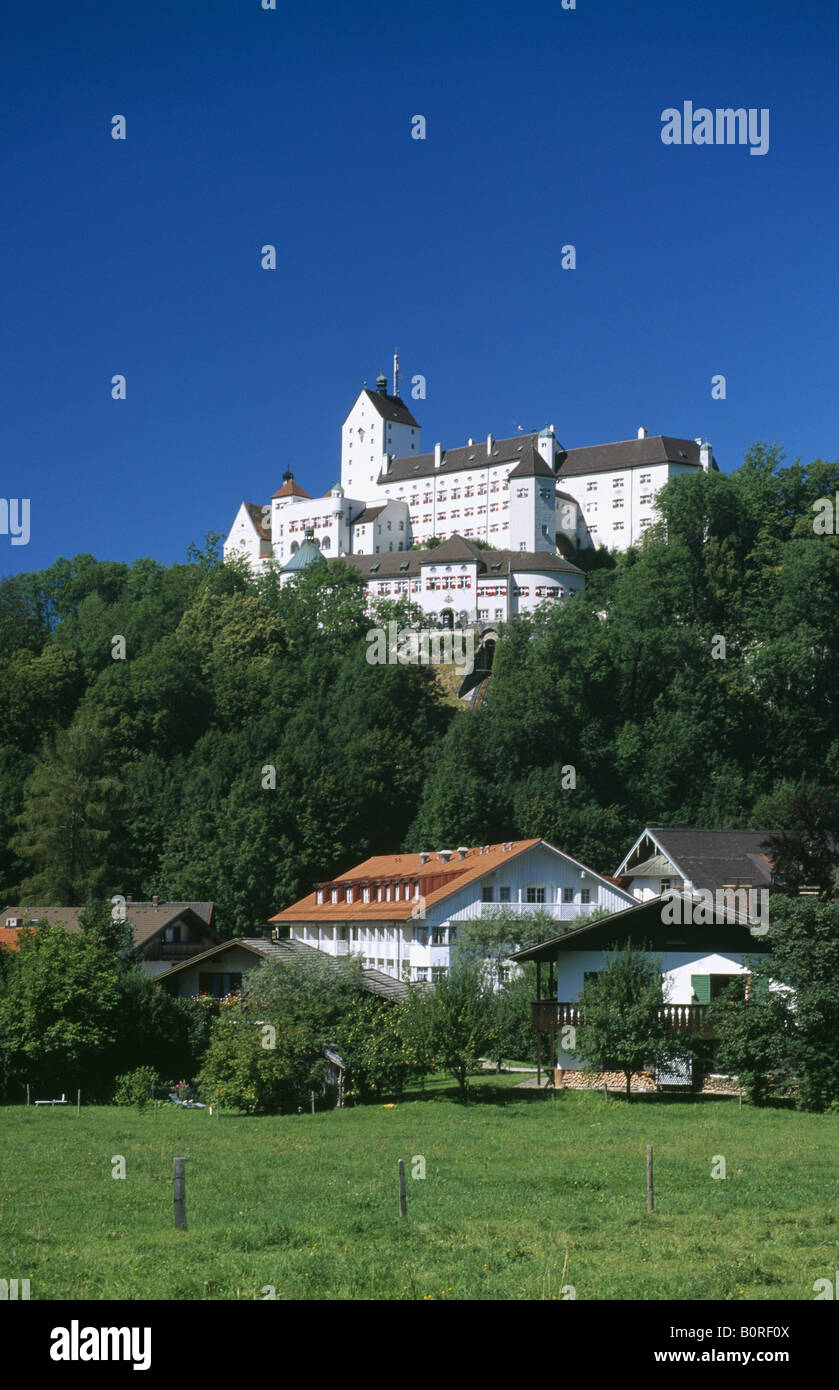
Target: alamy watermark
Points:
(426, 647)
(701, 907)
(14, 519)
(723, 126)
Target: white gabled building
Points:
(526, 494)
(400, 912)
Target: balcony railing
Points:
(549, 1016)
(563, 912)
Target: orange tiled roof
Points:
(291, 489)
(437, 880)
(8, 938)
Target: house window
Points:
(585, 895)
(568, 895)
(422, 972)
(665, 885)
(438, 936)
(487, 893)
(535, 895)
(503, 895)
(366, 894)
(437, 973)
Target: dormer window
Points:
(335, 895)
(320, 895)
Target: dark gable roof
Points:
(369, 514)
(457, 460)
(257, 516)
(391, 408)
(628, 453)
(529, 560)
(643, 924)
(146, 919)
(716, 858)
(532, 465)
(457, 550)
(375, 981)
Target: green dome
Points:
(308, 554)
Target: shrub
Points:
(136, 1087)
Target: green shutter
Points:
(701, 986)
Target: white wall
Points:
(677, 968)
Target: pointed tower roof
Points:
(290, 488)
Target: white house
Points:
(700, 952)
(400, 912)
(666, 858)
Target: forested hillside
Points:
(145, 772)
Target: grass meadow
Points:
(525, 1195)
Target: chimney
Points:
(154, 901)
(462, 851)
(642, 433)
(704, 454)
(489, 446)
(424, 856)
(438, 455)
(444, 855)
(469, 443)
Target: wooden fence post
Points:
(27, 1093)
(179, 1194)
(403, 1202)
(650, 1197)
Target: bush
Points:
(136, 1087)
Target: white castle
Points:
(528, 499)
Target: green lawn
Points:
(518, 1185)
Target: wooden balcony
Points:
(549, 1016)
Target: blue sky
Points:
(293, 127)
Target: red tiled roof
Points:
(291, 489)
(9, 938)
(437, 881)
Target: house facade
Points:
(700, 952)
(163, 933)
(400, 913)
(665, 859)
